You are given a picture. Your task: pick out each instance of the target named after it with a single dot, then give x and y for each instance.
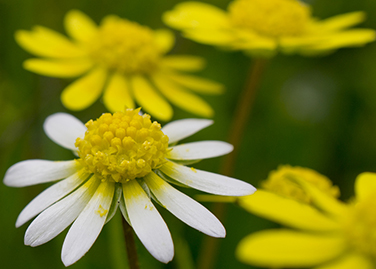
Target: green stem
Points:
(117, 246)
(130, 245)
(241, 115)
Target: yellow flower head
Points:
(279, 17)
(263, 27)
(279, 182)
(125, 60)
(124, 46)
(325, 234)
(122, 146)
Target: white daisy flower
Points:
(125, 160)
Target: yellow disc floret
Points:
(272, 18)
(124, 46)
(281, 182)
(122, 146)
(359, 226)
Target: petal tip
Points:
(166, 259)
(67, 259)
(250, 190)
(9, 179)
(19, 222)
(221, 233)
(27, 239)
(245, 190)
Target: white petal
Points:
(88, 225)
(50, 196)
(33, 172)
(206, 181)
(177, 130)
(64, 129)
(184, 207)
(57, 217)
(199, 150)
(147, 222)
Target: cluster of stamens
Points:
(272, 18)
(124, 46)
(122, 146)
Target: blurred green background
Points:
(312, 112)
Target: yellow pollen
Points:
(272, 18)
(360, 226)
(101, 211)
(279, 182)
(194, 170)
(124, 46)
(149, 207)
(119, 154)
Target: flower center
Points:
(273, 18)
(124, 46)
(122, 146)
(279, 182)
(360, 226)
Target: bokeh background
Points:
(313, 112)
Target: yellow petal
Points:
(365, 185)
(183, 62)
(211, 37)
(288, 43)
(84, 91)
(349, 261)
(110, 19)
(164, 39)
(195, 15)
(182, 98)
(246, 39)
(340, 22)
(79, 26)
(197, 84)
(117, 95)
(149, 99)
(287, 212)
(45, 42)
(322, 200)
(350, 38)
(285, 248)
(64, 68)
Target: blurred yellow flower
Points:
(263, 27)
(122, 58)
(327, 234)
(279, 182)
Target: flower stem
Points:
(130, 245)
(117, 246)
(241, 115)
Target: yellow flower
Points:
(263, 27)
(279, 182)
(327, 234)
(122, 58)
